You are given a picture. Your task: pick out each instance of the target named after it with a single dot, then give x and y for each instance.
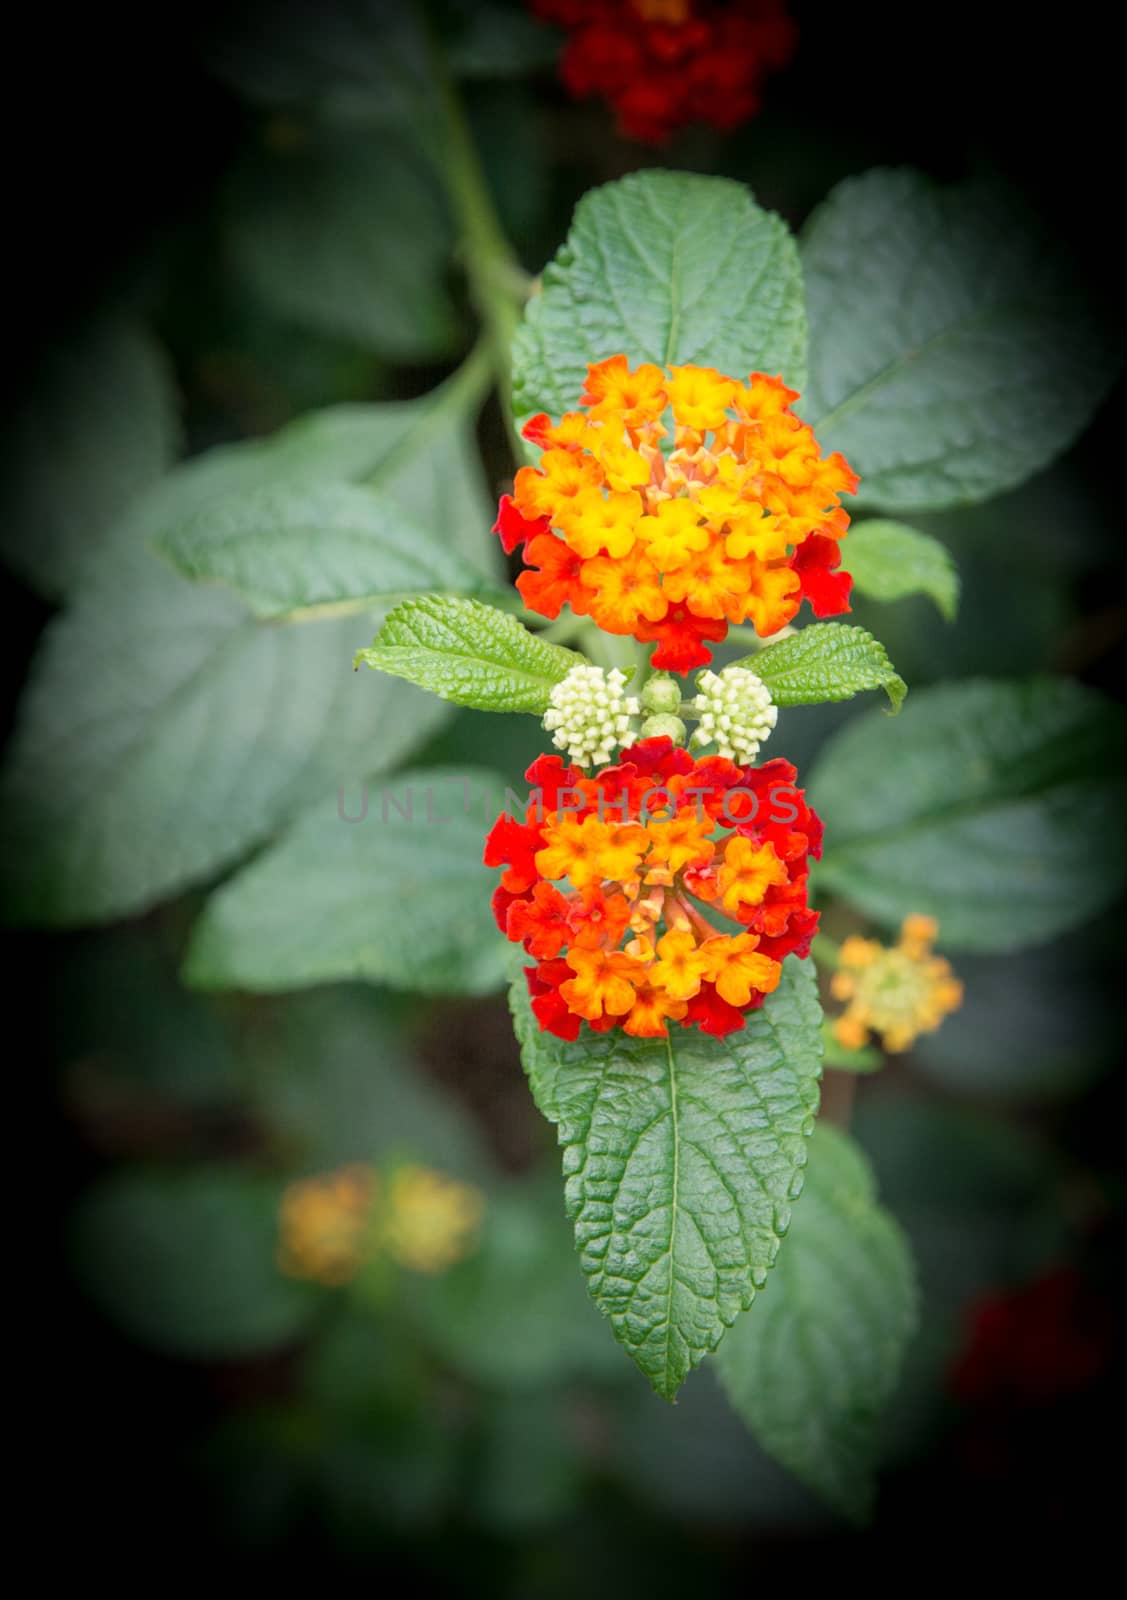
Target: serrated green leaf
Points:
(995, 807)
(813, 1365)
(826, 661)
(347, 230)
(469, 653)
(165, 732)
(889, 560)
(843, 1060)
(666, 267)
(682, 1157)
(73, 463)
(293, 549)
(952, 351)
(185, 1262)
(398, 895)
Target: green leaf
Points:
(995, 807)
(666, 267)
(843, 1060)
(682, 1158)
(469, 653)
(889, 560)
(185, 1262)
(952, 351)
(420, 456)
(346, 229)
(164, 732)
(826, 661)
(814, 1364)
(397, 895)
(295, 549)
(73, 463)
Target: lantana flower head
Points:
(898, 992)
(665, 63)
(675, 503)
(625, 889)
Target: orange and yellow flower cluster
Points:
(737, 522)
(896, 993)
(610, 883)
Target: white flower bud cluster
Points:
(589, 716)
(735, 711)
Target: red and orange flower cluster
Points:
(738, 522)
(608, 881)
(665, 63)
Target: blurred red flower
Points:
(665, 63)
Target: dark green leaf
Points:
(813, 1365)
(397, 899)
(952, 351)
(347, 230)
(165, 732)
(419, 455)
(185, 1262)
(995, 807)
(682, 1157)
(291, 550)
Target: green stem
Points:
(498, 283)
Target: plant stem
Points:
(498, 283)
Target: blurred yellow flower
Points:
(324, 1231)
(428, 1221)
(331, 1224)
(898, 992)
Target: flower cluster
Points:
(608, 883)
(665, 63)
(589, 716)
(331, 1224)
(897, 993)
(735, 712)
(323, 1224)
(737, 522)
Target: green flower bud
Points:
(661, 693)
(664, 725)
